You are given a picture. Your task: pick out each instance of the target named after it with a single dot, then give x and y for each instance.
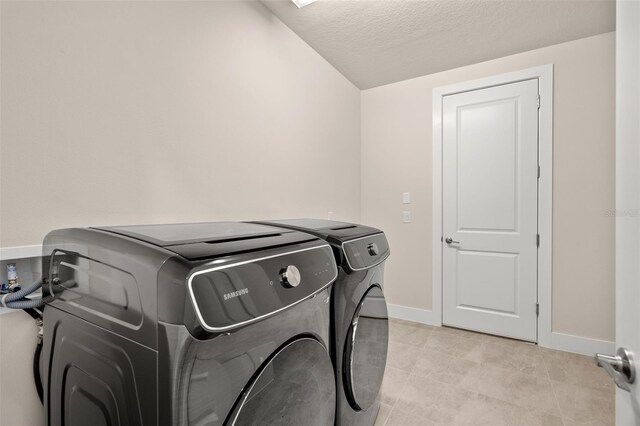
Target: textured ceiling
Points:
(376, 42)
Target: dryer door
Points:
(296, 386)
(365, 353)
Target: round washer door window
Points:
(365, 354)
(295, 387)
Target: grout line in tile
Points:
(555, 395)
(402, 388)
(389, 415)
(393, 406)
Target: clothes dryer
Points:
(359, 314)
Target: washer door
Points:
(365, 353)
(295, 387)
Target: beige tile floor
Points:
(446, 376)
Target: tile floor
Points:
(446, 376)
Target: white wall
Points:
(155, 112)
(152, 112)
(142, 112)
(396, 157)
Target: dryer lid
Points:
(210, 239)
(341, 231)
(363, 246)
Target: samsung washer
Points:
(359, 314)
(188, 324)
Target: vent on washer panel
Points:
(343, 227)
(250, 237)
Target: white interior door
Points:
(490, 205)
(628, 214)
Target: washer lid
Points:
(211, 239)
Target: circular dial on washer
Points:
(290, 276)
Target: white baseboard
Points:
(559, 341)
(581, 345)
(413, 314)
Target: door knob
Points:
(450, 240)
(620, 367)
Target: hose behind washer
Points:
(14, 300)
(37, 379)
(18, 300)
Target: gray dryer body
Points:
(360, 329)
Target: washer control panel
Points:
(236, 292)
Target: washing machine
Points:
(360, 328)
(188, 324)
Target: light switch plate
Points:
(406, 197)
(406, 216)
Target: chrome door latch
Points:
(620, 367)
(450, 240)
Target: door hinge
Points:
(538, 172)
(537, 309)
(538, 101)
(537, 240)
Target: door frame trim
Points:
(544, 74)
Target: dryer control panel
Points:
(230, 294)
(366, 252)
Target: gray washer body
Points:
(132, 344)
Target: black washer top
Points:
(196, 241)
